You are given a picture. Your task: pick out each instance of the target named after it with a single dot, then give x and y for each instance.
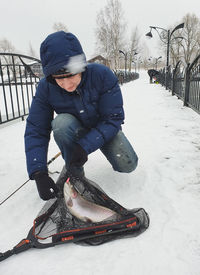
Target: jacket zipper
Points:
(83, 105)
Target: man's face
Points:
(68, 82)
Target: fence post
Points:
(173, 77)
(187, 86)
(17, 91)
(173, 80)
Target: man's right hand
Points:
(47, 188)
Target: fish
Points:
(83, 209)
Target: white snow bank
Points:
(166, 183)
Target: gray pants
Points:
(68, 130)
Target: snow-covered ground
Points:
(166, 137)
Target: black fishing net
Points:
(56, 225)
(55, 222)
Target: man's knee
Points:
(67, 127)
(132, 165)
(127, 166)
(64, 121)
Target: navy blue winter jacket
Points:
(97, 103)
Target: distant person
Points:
(150, 75)
(88, 102)
(153, 74)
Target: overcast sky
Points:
(30, 21)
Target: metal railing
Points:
(19, 75)
(184, 82)
(125, 77)
(192, 89)
(178, 87)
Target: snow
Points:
(166, 183)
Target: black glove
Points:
(79, 156)
(44, 185)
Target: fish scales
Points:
(84, 209)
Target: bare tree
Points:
(60, 27)
(145, 53)
(103, 35)
(7, 47)
(191, 41)
(31, 51)
(187, 48)
(133, 47)
(110, 31)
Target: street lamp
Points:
(135, 53)
(156, 63)
(169, 36)
(125, 58)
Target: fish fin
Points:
(70, 202)
(86, 219)
(113, 217)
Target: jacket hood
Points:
(61, 49)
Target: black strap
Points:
(25, 244)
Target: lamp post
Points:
(135, 53)
(169, 39)
(125, 59)
(156, 63)
(134, 64)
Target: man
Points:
(153, 74)
(88, 103)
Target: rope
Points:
(49, 162)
